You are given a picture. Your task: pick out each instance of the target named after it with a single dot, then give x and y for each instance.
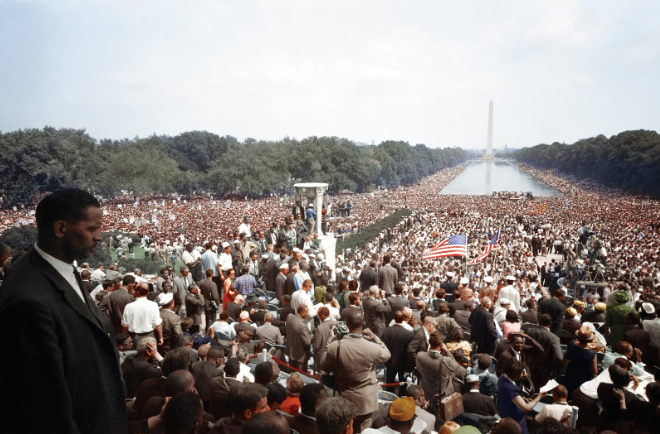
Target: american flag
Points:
(489, 247)
(456, 245)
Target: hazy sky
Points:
(418, 71)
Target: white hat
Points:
(648, 308)
(311, 255)
(297, 250)
(264, 256)
(225, 245)
(450, 274)
(165, 299)
(311, 205)
(346, 269)
(284, 266)
(504, 301)
(471, 379)
(237, 241)
(488, 279)
(510, 277)
(464, 280)
(320, 256)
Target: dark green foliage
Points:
(20, 239)
(146, 265)
(367, 235)
(36, 160)
(629, 161)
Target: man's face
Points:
(185, 273)
(518, 343)
(79, 239)
(127, 345)
(262, 406)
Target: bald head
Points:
(486, 302)
(355, 321)
(466, 294)
(180, 381)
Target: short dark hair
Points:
(436, 338)
(178, 382)
(620, 377)
(175, 359)
(232, 367)
(309, 396)
(632, 318)
(263, 373)
(511, 316)
(128, 280)
(182, 413)
(121, 338)
(269, 422)
(545, 320)
(245, 396)
(276, 393)
(334, 414)
(216, 352)
(513, 368)
(68, 205)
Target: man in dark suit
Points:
(420, 340)
(235, 307)
(85, 275)
(396, 339)
(286, 310)
(555, 308)
(206, 369)
(220, 386)
(475, 402)
(530, 315)
(280, 281)
(289, 284)
(387, 276)
(520, 351)
(397, 302)
(368, 276)
(375, 312)
(65, 347)
(596, 315)
(483, 327)
(412, 303)
(542, 364)
(209, 291)
(195, 306)
(116, 302)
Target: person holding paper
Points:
(559, 409)
(510, 403)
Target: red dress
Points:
(228, 297)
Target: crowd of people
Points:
(255, 332)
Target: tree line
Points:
(48, 159)
(629, 161)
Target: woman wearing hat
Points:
(579, 360)
(615, 316)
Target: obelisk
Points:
(489, 146)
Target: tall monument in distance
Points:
(489, 146)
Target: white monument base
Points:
(329, 246)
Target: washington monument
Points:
(489, 146)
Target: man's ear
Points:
(59, 228)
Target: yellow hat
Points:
(600, 306)
(578, 303)
(402, 409)
(571, 311)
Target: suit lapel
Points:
(69, 293)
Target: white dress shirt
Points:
(65, 270)
(141, 315)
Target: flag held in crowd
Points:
(455, 245)
(489, 247)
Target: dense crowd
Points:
(555, 331)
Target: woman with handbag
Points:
(510, 403)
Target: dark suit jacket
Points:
(203, 372)
(89, 286)
(289, 285)
(234, 310)
(462, 318)
(136, 370)
(375, 314)
(65, 375)
(418, 344)
(209, 290)
(195, 307)
(530, 316)
(593, 316)
(542, 364)
(527, 351)
(368, 278)
(483, 330)
(397, 339)
(396, 304)
(219, 388)
(555, 309)
(302, 424)
(478, 403)
(387, 278)
(639, 339)
(280, 283)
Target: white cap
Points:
(225, 245)
(504, 301)
(648, 308)
(510, 277)
(471, 379)
(165, 299)
(264, 256)
(488, 279)
(284, 266)
(464, 280)
(320, 256)
(346, 269)
(297, 250)
(450, 274)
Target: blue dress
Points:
(507, 390)
(578, 371)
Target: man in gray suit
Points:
(298, 338)
(181, 284)
(387, 276)
(195, 306)
(268, 332)
(397, 302)
(375, 310)
(114, 305)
